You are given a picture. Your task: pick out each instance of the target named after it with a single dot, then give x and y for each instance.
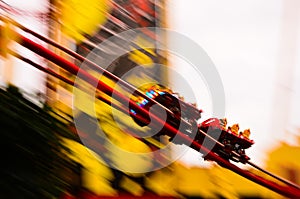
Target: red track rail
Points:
(72, 68)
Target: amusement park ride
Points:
(229, 144)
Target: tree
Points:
(32, 158)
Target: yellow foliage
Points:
(83, 17)
(163, 182)
(140, 57)
(132, 187)
(6, 35)
(95, 174)
(126, 152)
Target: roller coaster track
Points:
(284, 188)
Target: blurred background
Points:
(253, 44)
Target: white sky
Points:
(25, 76)
(244, 40)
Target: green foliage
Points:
(32, 163)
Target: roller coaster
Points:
(229, 143)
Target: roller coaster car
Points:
(232, 144)
(164, 96)
(229, 138)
